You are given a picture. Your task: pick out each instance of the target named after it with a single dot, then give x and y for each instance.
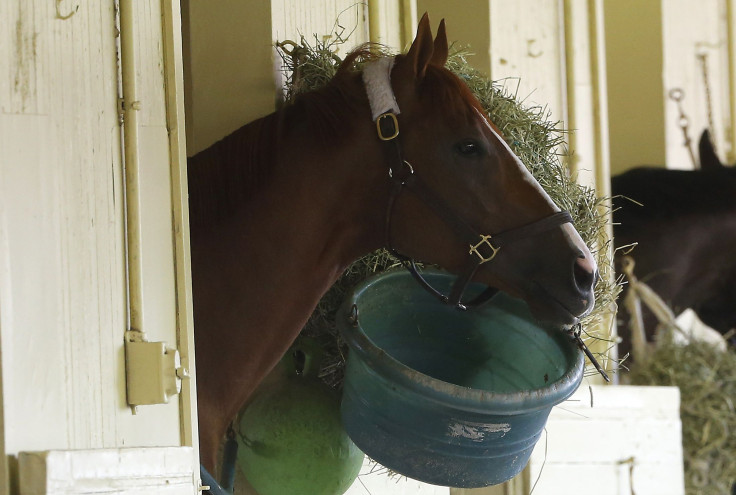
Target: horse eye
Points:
(468, 148)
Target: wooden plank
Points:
(292, 19)
(730, 15)
(159, 424)
(692, 29)
(633, 32)
(230, 65)
(31, 275)
(527, 46)
(62, 290)
(385, 24)
(469, 26)
(175, 121)
(614, 439)
(23, 76)
(65, 298)
(135, 471)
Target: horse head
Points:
(472, 181)
(277, 216)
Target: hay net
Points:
(536, 140)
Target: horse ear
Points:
(421, 50)
(439, 56)
(708, 158)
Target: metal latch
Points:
(153, 371)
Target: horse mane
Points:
(224, 176)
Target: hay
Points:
(537, 141)
(707, 381)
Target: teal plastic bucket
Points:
(448, 397)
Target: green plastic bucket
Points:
(448, 397)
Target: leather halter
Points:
(482, 248)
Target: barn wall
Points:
(385, 23)
(635, 93)
(527, 47)
(292, 19)
(232, 70)
(653, 48)
(695, 47)
(228, 67)
(468, 26)
(63, 285)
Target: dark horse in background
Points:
(283, 205)
(685, 228)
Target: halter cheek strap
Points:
(481, 248)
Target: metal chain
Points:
(703, 59)
(677, 95)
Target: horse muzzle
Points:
(566, 295)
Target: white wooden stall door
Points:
(142, 471)
(612, 440)
(695, 60)
(63, 293)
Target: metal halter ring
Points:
(408, 165)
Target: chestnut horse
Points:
(283, 205)
(684, 224)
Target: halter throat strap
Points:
(481, 248)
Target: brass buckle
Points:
(394, 122)
(484, 239)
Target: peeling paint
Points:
(476, 431)
(25, 59)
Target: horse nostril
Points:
(585, 273)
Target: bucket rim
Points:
(446, 393)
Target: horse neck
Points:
(317, 208)
(259, 273)
(326, 179)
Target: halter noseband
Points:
(482, 248)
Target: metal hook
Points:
(408, 165)
(676, 94)
(353, 316)
(529, 46)
(64, 17)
